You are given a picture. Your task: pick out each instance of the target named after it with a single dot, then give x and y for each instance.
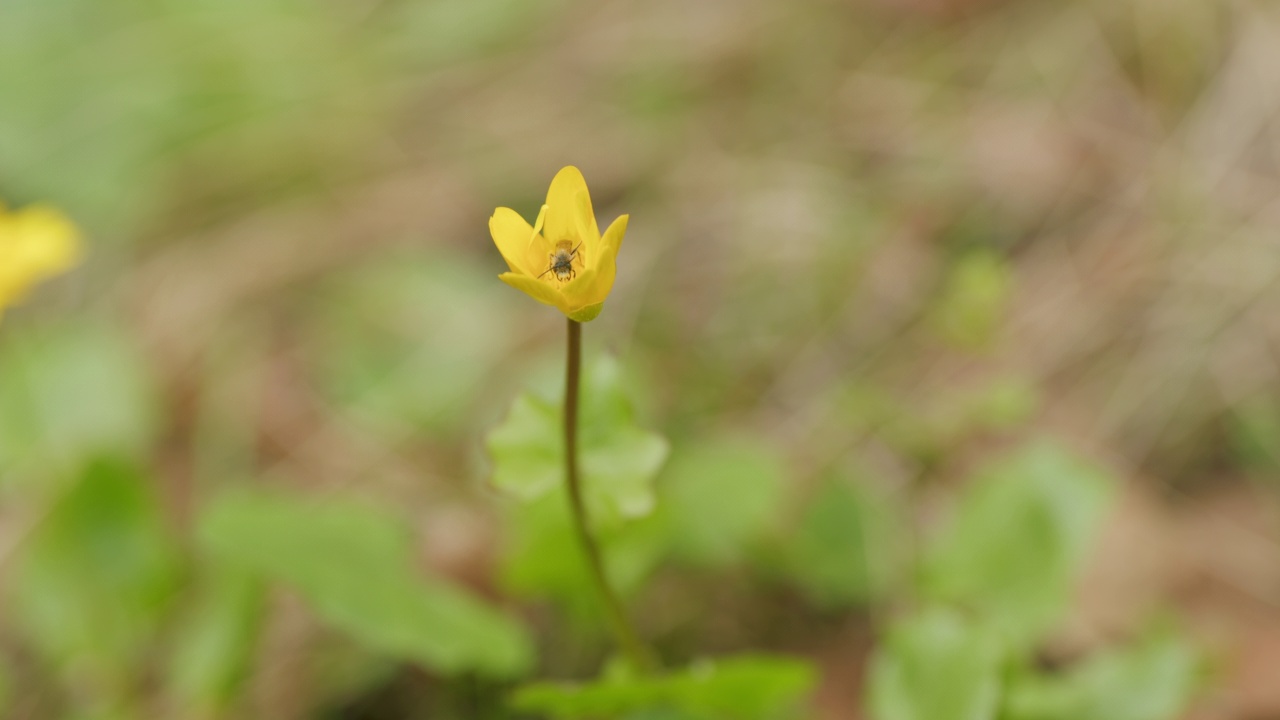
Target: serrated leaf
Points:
(1020, 538)
(737, 688)
(618, 460)
(935, 666)
(353, 564)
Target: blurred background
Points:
(881, 253)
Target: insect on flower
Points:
(562, 261)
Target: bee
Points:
(562, 261)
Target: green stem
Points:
(624, 634)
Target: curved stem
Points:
(624, 634)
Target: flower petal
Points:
(577, 293)
(536, 289)
(521, 247)
(569, 217)
(580, 282)
(605, 265)
(542, 216)
(588, 231)
(617, 229)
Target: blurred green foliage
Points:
(1019, 540)
(354, 566)
(214, 640)
(718, 495)
(937, 665)
(1253, 426)
(162, 87)
(974, 296)
(388, 357)
(618, 459)
(994, 581)
(997, 581)
(1153, 678)
(849, 547)
(68, 393)
(95, 579)
(746, 687)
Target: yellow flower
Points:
(562, 260)
(36, 243)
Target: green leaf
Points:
(718, 495)
(1019, 539)
(95, 579)
(618, 459)
(68, 394)
(737, 688)
(935, 666)
(1151, 680)
(847, 546)
(745, 687)
(608, 698)
(528, 449)
(354, 566)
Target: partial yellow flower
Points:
(36, 243)
(561, 260)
